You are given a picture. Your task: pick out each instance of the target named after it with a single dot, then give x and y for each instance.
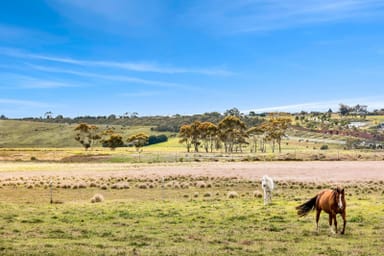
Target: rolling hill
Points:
(17, 133)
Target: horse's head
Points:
(267, 183)
(339, 195)
(263, 182)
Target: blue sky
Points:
(159, 57)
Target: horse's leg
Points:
(265, 196)
(330, 223)
(269, 196)
(344, 220)
(335, 221)
(318, 211)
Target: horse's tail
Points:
(306, 207)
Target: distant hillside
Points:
(59, 132)
(17, 133)
(158, 123)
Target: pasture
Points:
(184, 209)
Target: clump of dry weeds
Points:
(98, 198)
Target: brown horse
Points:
(332, 201)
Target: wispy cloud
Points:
(374, 102)
(11, 80)
(27, 82)
(264, 15)
(45, 84)
(310, 106)
(134, 66)
(25, 103)
(131, 66)
(121, 78)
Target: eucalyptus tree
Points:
(257, 136)
(232, 132)
(87, 135)
(139, 140)
(195, 135)
(185, 134)
(275, 128)
(113, 141)
(208, 134)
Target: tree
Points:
(276, 128)
(185, 135)
(139, 140)
(360, 110)
(208, 134)
(258, 138)
(112, 117)
(113, 141)
(232, 112)
(154, 139)
(86, 135)
(189, 135)
(48, 115)
(344, 109)
(232, 132)
(195, 135)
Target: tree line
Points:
(232, 134)
(88, 135)
(158, 123)
(174, 122)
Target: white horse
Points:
(267, 185)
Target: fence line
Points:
(287, 155)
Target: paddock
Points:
(184, 209)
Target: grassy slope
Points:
(44, 141)
(26, 134)
(35, 134)
(38, 134)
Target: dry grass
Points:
(164, 154)
(232, 194)
(98, 198)
(174, 221)
(257, 194)
(207, 194)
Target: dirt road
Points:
(317, 171)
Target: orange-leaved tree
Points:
(86, 135)
(139, 140)
(111, 139)
(185, 136)
(232, 132)
(189, 134)
(208, 134)
(276, 127)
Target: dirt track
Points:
(318, 171)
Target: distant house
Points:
(357, 124)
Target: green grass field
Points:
(176, 219)
(24, 134)
(28, 134)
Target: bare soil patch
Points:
(314, 171)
